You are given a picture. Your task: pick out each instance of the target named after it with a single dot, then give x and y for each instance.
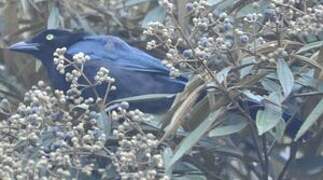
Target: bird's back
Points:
(136, 72)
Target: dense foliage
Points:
(236, 53)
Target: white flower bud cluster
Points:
(197, 6)
(165, 34)
(252, 18)
(156, 28)
(59, 59)
(311, 23)
(103, 76)
(77, 77)
(273, 56)
(151, 45)
(168, 5)
(138, 155)
(80, 58)
(45, 133)
(121, 112)
(5, 105)
(167, 37)
(169, 63)
(202, 23)
(200, 45)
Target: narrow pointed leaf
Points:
(53, 19)
(222, 75)
(278, 131)
(285, 77)
(269, 117)
(253, 96)
(157, 14)
(189, 141)
(248, 69)
(167, 155)
(129, 3)
(104, 123)
(310, 46)
(146, 97)
(310, 120)
(227, 130)
(180, 113)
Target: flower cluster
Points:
(58, 139)
(168, 4)
(138, 155)
(309, 23)
(63, 136)
(206, 40)
(79, 80)
(49, 137)
(103, 76)
(165, 36)
(211, 39)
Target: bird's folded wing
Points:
(113, 50)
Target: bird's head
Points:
(46, 42)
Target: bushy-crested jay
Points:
(136, 72)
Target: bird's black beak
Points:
(25, 47)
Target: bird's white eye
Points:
(49, 37)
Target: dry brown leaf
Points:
(180, 113)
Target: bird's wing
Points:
(113, 49)
(130, 83)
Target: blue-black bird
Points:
(136, 72)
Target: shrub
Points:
(254, 93)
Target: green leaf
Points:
(246, 70)
(105, 123)
(25, 6)
(53, 19)
(141, 98)
(191, 85)
(308, 60)
(269, 117)
(179, 115)
(191, 172)
(83, 107)
(132, 3)
(310, 120)
(214, 2)
(189, 141)
(221, 5)
(38, 65)
(310, 38)
(222, 75)
(307, 80)
(228, 129)
(251, 8)
(157, 14)
(285, 77)
(195, 82)
(190, 177)
(39, 1)
(278, 131)
(167, 155)
(253, 96)
(310, 46)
